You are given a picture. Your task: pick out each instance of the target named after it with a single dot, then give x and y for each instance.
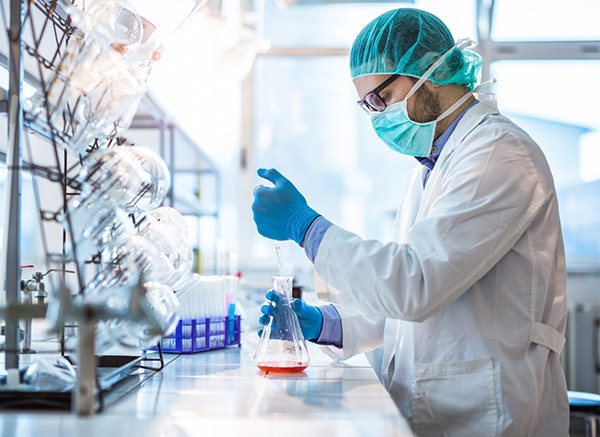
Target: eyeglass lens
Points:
(375, 102)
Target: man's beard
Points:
(426, 106)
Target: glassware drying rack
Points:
(36, 39)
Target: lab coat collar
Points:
(473, 117)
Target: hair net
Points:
(407, 41)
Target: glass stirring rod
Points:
(279, 262)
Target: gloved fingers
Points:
(272, 296)
(267, 309)
(259, 186)
(257, 193)
(297, 306)
(259, 196)
(260, 333)
(265, 199)
(302, 310)
(272, 175)
(263, 320)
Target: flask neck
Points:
(283, 284)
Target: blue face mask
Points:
(403, 135)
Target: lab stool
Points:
(584, 414)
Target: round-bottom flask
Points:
(281, 348)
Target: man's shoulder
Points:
(498, 130)
(500, 142)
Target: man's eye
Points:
(385, 97)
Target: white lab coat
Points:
(468, 302)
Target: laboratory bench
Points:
(222, 393)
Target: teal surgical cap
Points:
(407, 41)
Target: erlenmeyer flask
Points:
(281, 348)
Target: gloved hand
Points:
(310, 317)
(281, 212)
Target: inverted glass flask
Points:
(281, 348)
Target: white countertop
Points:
(222, 393)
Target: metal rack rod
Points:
(12, 230)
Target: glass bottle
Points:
(156, 174)
(281, 348)
(115, 20)
(134, 177)
(160, 310)
(166, 228)
(95, 222)
(158, 316)
(129, 256)
(95, 91)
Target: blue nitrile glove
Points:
(281, 212)
(310, 317)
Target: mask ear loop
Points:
(480, 90)
(455, 105)
(461, 44)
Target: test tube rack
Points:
(192, 336)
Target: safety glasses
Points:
(373, 101)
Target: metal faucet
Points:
(34, 291)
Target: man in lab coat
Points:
(467, 304)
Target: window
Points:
(556, 103)
(336, 25)
(544, 20)
(308, 126)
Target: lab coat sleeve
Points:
(360, 333)
(490, 193)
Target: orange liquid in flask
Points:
(282, 367)
(281, 348)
